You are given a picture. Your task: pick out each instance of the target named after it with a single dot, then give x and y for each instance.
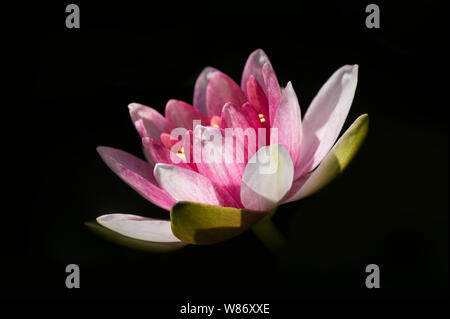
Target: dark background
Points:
(390, 207)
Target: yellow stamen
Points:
(215, 121)
(181, 154)
(261, 118)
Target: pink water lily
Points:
(213, 201)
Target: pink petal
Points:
(222, 171)
(200, 88)
(142, 228)
(136, 173)
(168, 141)
(253, 66)
(222, 89)
(234, 116)
(148, 122)
(187, 185)
(253, 116)
(244, 117)
(325, 117)
(158, 153)
(185, 142)
(257, 98)
(288, 122)
(181, 114)
(273, 89)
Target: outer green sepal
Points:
(202, 224)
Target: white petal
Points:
(267, 178)
(138, 227)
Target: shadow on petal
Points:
(202, 224)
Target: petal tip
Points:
(103, 150)
(262, 56)
(208, 72)
(133, 106)
(101, 218)
(289, 86)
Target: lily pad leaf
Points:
(336, 160)
(202, 224)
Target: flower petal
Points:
(158, 153)
(273, 89)
(187, 185)
(187, 143)
(202, 224)
(222, 89)
(136, 173)
(288, 122)
(223, 162)
(137, 232)
(254, 66)
(267, 178)
(325, 117)
(234, 116)
(181, 114)
(148, 122)
(335, 161)
(200, 88)
(257, 97)
(245, 117)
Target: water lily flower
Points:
(211, 201)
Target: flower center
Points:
(169, 142)
(215, 121)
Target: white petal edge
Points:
(141, 228)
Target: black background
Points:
(390, 207)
